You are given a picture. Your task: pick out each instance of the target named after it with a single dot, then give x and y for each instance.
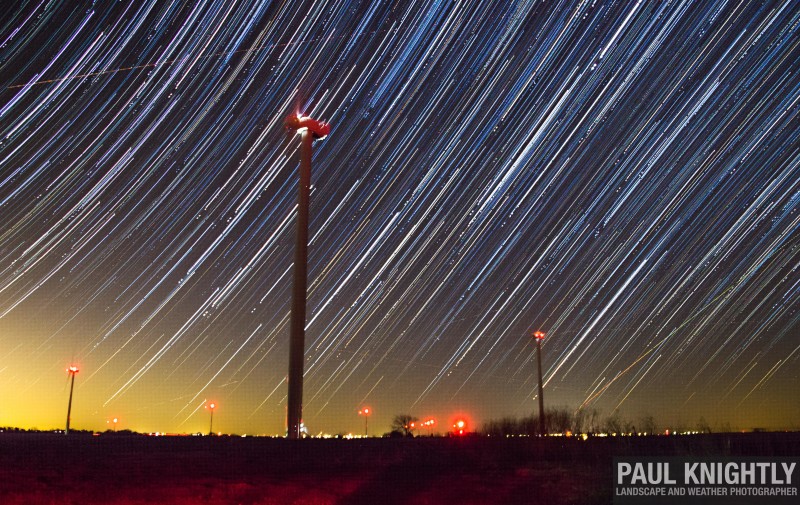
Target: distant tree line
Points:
(590, 421)
(12, 429)
(564, 420)
(557, 420)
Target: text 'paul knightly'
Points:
(705, 473)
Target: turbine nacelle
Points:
(317, 128)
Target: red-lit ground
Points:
(120, 469)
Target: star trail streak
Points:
(624, 176)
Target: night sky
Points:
(624, 176)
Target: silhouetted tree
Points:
(530, 425)
(613, 423)
(579, 421)
(558, 420)
(647, 424)
(703, 426)
(402, 423)
(593, 416)
(629, 427)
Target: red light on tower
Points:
(539, 335)
(211, 407)
(460, 427)
(366, 413)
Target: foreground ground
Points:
(120, 469)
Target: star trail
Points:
(624, 176)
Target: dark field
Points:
(129, 469)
